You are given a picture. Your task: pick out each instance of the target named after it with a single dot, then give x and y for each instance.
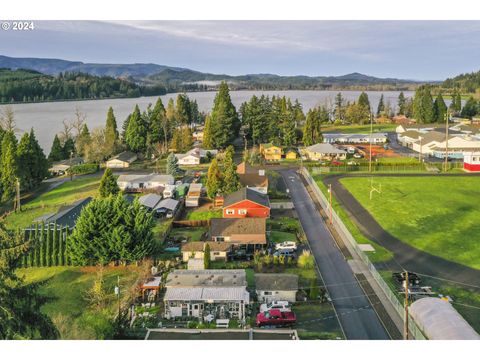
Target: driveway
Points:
(405, 256)
(357, 318)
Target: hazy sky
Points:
(422, 50)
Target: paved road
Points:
(358, 319)
(405, 256)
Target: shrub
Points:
(306, 260)
(83, 169)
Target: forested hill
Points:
(468, 83)
(23, 85)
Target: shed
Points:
(439, 320)
(276, 287)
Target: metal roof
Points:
(66, 215)
(325, 148)
(439, 320)
(206, 278)
(208, 294)
(169, 204)
(145, 178)
(126, 156)
(149, 200)
(246, 194)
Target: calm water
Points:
(46, 118)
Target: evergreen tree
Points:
(363, 100)
(56, 153)
(37, 245)
(136, 134)
(108, 184)
(470, 109)
(423, 105)
(158, 130)
(206, 256)
(111, 133)
(339, 108)
(32, 164)
(61, 247)
(401, 104)
(439, 109)
(68, 149)
(207, 133)
(231, 181)
(42, 245)
(172, 165)
(55, 245)
(20, 303)
(312, 132)
(48, 247)
(111, 229)
(183, 110)
(31, 251)
(225, 123)
(214, 182)
(83, 141)
(381, 106)
(9, 166)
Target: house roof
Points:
(276, 282)
(126, 156)
(68, 162)
(431, 137)
(241, 230)
(198, 246)
(325, 148)
(413, 134)
(206, 278)
(246, 194)
(182, 156)
(66, 215)
(268, 145)
(145, 178)
(207, 294)
(253, 180)
(246, 168)
(149, 200)
(168, 204)
(202, 152)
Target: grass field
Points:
(203, 214)
(189, 233)
(51, 201)
(436, 214)
(66, 287)
(380, 254)
(281, 236)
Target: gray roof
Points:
(168, 204)
(66, 215)
(126, 156)
(143, 178)
(149, 200)
(325, 148)
(276, 282)
(246, 194)
(439, 320)
(206, 278)
(237, 226)
(413, 134)
(208, 294)
(432, 136)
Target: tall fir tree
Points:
(55, 245)
(136, 134)
(312, 132)
(207, 133)
(108, 184)
(231, 181)
(363, 100)
(214, 180)
(225, 123)
(401, 102)
(48, 246)
(158, 129)
(56, 152)
(381, 106)
(172, 165)
(111, 133)
(9, 166)
(439, 109)
(423, 105)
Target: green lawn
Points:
(436, 214)
(281, 236)
(66, 287)
(189, 233)
(203, 214)
(380, 254)
(50, 202)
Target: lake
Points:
(46, 118)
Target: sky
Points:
(418, 50)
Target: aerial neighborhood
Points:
(212, 211)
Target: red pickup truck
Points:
(276, 317)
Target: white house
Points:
(142, 182)
(61, 167)
(214, 294)
(122, 160)
(377, 138)
(323, 151)
(188, 159)
(276, 287)
(193, 195)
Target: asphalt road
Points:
(405, 256)
(356, 315)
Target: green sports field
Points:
(439, 215)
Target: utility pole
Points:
(405, 320)
(371, 134)
(446, 141)
(331, 212)
(17, 205)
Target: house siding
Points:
(253, 210)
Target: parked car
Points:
(276, 318)
(285, 252)
(275, 305)
(286, 245)
(357, 156)
(336, 163)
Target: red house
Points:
(471, 162)
(246, 203)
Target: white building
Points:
(217, 294)
(142, 182)
(338, 138)
(194, 156)
(122, 160)
(276, 287)
(323, 151)
(193, 195)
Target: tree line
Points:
(31, 86)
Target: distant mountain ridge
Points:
(177, 77)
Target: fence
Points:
(347, 236)
(383, 168)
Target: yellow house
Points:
(271, 152)
(291, 154)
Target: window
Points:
(267, 293)
(216, 253)
(242, 212)
(219, 239)
(230, 212)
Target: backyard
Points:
(438, 215)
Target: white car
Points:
(278, 305)
(286, 245)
